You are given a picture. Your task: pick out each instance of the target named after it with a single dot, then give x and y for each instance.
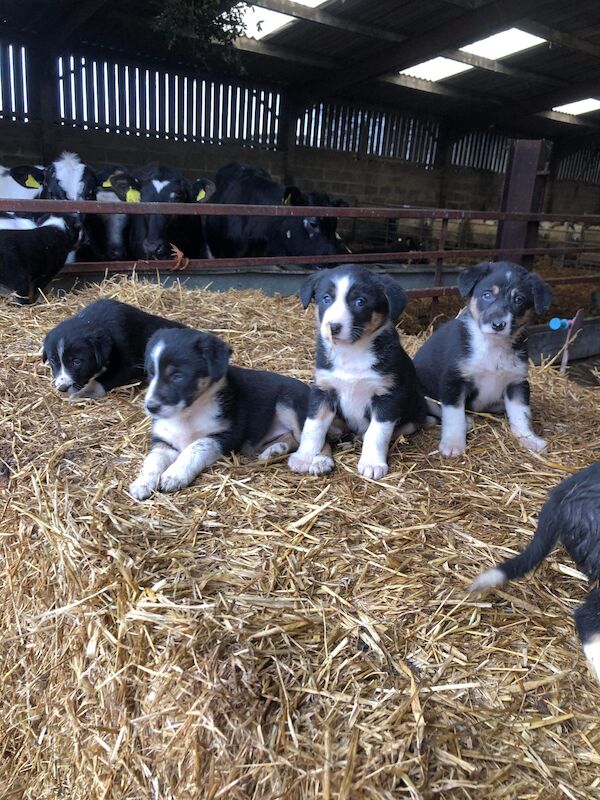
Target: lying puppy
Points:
(100, 348)
(363, 377)
(33, 252)
(202, 408)
(479, 360)
(571, 514)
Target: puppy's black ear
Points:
(102, 345)
(217, 354)
(308, 289)
(396, 296)
(470, 277)
(542, 293)
(44, 355)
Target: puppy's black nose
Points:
(152, 407)
(63, 388)
(498, 326)
(335, 328)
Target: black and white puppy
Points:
(572, 514)
(478, 361)
(203, 408)
(100, 348)
(364, 381)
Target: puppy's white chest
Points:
(492, 366)
(196, 422)
(355, 383)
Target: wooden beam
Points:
(463, 29)
(262, 48)
(569, 119)
(439, 88)
(501, 68)
(299, 11)
(558, 37)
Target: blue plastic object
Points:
(556, 323)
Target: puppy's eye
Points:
(76, 362)
(177, 377)
(518, 300)
(487, 296)
(327, 300)
(359, 302)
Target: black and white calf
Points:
(68, 178)
(364, 381)
(478, 361)
(31, 257)
(21, 183)
(202, 408)
(571, 514)
(100, 348)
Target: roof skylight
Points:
(579, 107)
(494, 47)
(260, 22)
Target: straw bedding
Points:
(268, 635)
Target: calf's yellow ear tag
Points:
(201, 195)
(107, 184)
(133, 196)
(31, 183)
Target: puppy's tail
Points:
(543, 541)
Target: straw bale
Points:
(269, 635)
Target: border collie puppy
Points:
(31, 257)
(202, 408)
(478, 361)
(100, 348)
(364, 381)
(572, 514)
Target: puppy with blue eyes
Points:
(364, 382)
(478, 361)
(202, 408)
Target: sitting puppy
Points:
(479, 360)
(363, 376)
(571, 514)
(33, 252)
(202, 408)
(100, 348)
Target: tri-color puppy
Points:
(478, 361)
(571, 514)
(364, 381)
(100, 348)
(203, 408)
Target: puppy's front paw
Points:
(321, 465)
(299, 463)
(450, 448)
(91, 391)
(172, 480)
(533, 443)
(142, 488)
(274, 450)
(373, 471)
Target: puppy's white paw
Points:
(450, 448)
(592, 653)
(172, 480)
(300, 463)
(91, 391)
(321, 465)
(274, 450)
(374, 471)
(533, 443)
(142, 488)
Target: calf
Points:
(572, 514)
(235, 237)
(21, 183)
(29, 259)
(151, 236)
(68, 178)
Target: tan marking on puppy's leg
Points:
(286, 443)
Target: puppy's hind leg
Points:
(587, 619)
(286, 443)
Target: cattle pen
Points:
(263, 634)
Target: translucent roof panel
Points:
(260, 22)
(436, 69)
(503, 44)
(579, 107)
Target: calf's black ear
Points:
(542, 293)
(292, 196)
(470, 277)
(396, 296)
(308, 289)
(217, 354)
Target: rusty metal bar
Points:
(451, 291)
(205, 264)
(212, 209)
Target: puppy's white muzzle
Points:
(63, 381)
(499, 327)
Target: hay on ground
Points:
(269, 635)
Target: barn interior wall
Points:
(361, 179)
